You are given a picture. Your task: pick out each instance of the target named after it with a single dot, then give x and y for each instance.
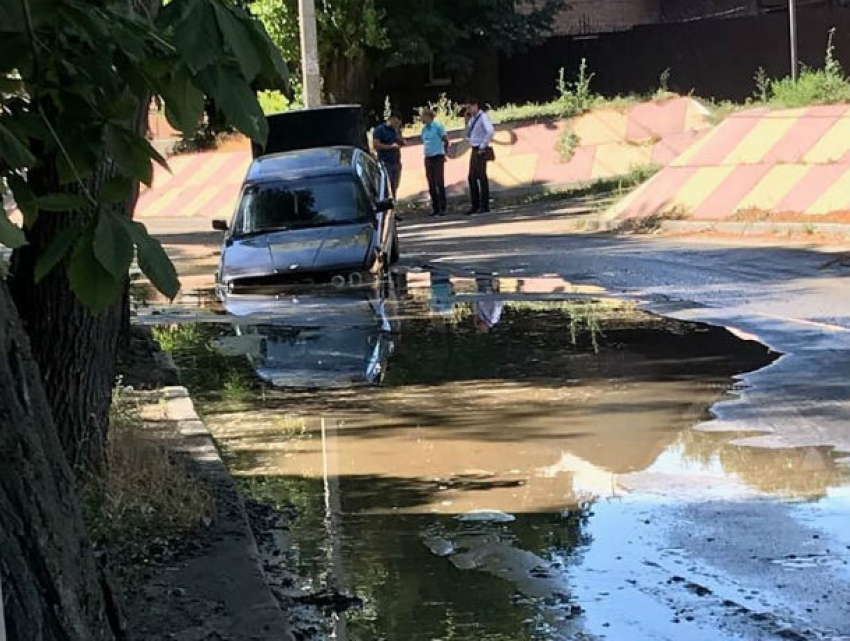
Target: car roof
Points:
(304, 163)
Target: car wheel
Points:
(395, 251)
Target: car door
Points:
(377, 187)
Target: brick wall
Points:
(578, 17)
(587, 17)
(593, 16)
(677, 10)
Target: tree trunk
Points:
(348, 79)
(75, 349)
(51, 585)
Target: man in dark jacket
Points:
(388, 141)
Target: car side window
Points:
(370, 175)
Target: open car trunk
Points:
(320, 127)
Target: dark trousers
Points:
(479, 184)
(394, 174)
(435, 167)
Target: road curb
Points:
(838, 230)
(234, 565)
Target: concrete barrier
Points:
(606, 143)
(793, 164)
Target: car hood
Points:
(306, 250)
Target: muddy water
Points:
(477, 461)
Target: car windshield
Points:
(301, 204)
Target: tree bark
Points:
(348, 79)
(51, 584)
(75, 349)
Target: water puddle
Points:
(494, 458)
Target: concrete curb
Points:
(231, 572)
(840, 230)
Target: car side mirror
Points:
(219, 225)
(384, 205)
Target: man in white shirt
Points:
(488, 310)
(479, 132)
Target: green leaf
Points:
(56, 250)
(196, 34)
(115, 190)
(13, 152)
(122, 111)
(10, 234)
(81, 163)
(112, 244)
(184, 103)
(237, 101)
(61, 202)
(24, 198)
(153, 260)
(130, 152)
(92, 283)
(237, 34)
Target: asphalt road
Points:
(712, 564)
(792, 299)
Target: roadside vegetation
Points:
(145, 491)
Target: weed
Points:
(236, 388)
(144, 490)
(828, 85)
(575, 98)
(663, 84)
(584, 317)
(809, 228)
(651, 224)
(568, 142)
(202, 370)
(762, 85)
(176, 337)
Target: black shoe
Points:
(474, 210)
(443, 213)
(434, 214)
(484, 211)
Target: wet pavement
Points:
(517, 457)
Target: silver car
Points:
(313, 215)
(315, 206)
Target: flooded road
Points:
(503, 459)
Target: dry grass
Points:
(651, 224)
(146, 490)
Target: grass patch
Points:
(574, 97)
(825, 86)
(202, 369)
(145, 490)
(615, 187)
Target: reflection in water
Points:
(292, 340)
(455, 497)
(796, 472)
(488, 309)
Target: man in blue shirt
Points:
(435, 142)
(388, 141)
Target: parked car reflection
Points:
(313, 339)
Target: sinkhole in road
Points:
(442, 461)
